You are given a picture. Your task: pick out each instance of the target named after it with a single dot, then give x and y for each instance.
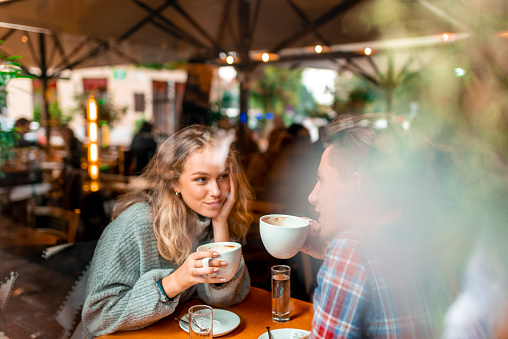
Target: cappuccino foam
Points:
(276, 221)
(221, 248)
(284, 221)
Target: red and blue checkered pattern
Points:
(357, 297)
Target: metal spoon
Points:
(182, 320)
(186, 322)
(269, 333)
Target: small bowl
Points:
(283, 235)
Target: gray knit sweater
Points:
(122, 292)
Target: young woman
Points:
(194, 191)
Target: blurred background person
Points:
(292, 172)
(142, 149)
(72, 198)
(22, 127)
(73, 148)
(246, 144)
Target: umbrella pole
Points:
(45, 93)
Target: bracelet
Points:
(164, 296)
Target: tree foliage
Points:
(279, 88)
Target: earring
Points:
(176, 193)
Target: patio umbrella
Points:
(54, 35)
(199, 30)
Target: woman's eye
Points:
(224, 176)
(200, 179)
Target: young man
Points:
(21, 127)
(373, 195)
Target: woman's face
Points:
(204, 183)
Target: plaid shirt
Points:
(355, 299)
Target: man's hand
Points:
(315, 246)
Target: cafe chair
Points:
(57, 221)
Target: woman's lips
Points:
(214, 203)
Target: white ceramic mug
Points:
(283, 235)
(231, 252)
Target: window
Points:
(139, 102)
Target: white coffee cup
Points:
(283, 235)
(231, 252)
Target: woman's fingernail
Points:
(215, 254)
(216, 270)
(224, 263)
(222, 280)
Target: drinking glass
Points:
(200, 322)
(280, 293)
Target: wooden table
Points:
(255, 314)
(13, 234)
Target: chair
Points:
(57, 221)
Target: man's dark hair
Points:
(351, 142)
(21, 122)
(378, 147)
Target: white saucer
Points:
(223, 322)
(285, 333)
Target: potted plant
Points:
(9, 69)
(107, 112)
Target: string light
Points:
(368, 51)
(92, 132)
(93, 149)
(318, 49)
(460, 72)
(445, 37)
(263, 56)
(94, 172)
(24, 38)
(230, 59)
(94, 152)
(94, 186)
(92, 108)
(381, 123)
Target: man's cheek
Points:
(327, 195)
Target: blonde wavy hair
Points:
(174, 223)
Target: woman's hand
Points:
(315, 246)
(220, 223)
(192, 272)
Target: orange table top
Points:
(255, 314)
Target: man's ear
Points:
(356, 181)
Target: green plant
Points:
(8, 141)
(279, 88)
(171, 65)
(352, 93)
(9, 69)
(138, 123)
(55, 113)
(107, 112)
(364, 95)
